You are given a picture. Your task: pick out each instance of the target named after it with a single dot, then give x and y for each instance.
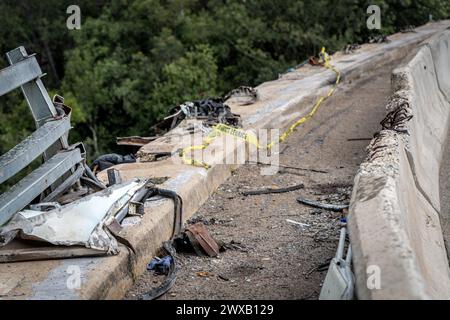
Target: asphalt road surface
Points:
(276, 259)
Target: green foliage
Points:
(134, 59)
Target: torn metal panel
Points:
(79, 223)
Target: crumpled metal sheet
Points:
(79, 223)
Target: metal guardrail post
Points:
(38, 100)
(50, 139)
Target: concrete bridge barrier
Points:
(394, 223)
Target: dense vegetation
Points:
(133, 59)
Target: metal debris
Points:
(201, 240)
(242, 96)
(273, 190)
(113, 177)
(79, 223)
(326, 206)
(379, 39)
(339, 282)
(351, 48)
(398, 118)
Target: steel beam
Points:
(34, 145)
(18, 74)
(38, 100)
(65, 185)
(27, 189)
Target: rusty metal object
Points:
(201, 238)
(313, 61)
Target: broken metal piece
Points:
(201, 239)
(211, 111)
(115, 228)
(326, 206)
(398, 118)
(243, 95)
(339, 282)
(113, 177)
(79, 223)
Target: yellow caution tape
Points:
(220, 128)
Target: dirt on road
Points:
(273, 258)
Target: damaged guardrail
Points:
(50, 139)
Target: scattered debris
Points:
(113, 177)
(201, 240)
(82, 222)
(326, 206)
(204, 274)
(206, 221)
(398, 118)
(160, 265)
(313, 61)
(223, 277)
(287, 167)
(233, 245)
(303, 225)
(108, 160)
(210, 111)
(339, 282)
(351, 48)
(273, 190)
(242, 96)
(170, 279)
(379, 39)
